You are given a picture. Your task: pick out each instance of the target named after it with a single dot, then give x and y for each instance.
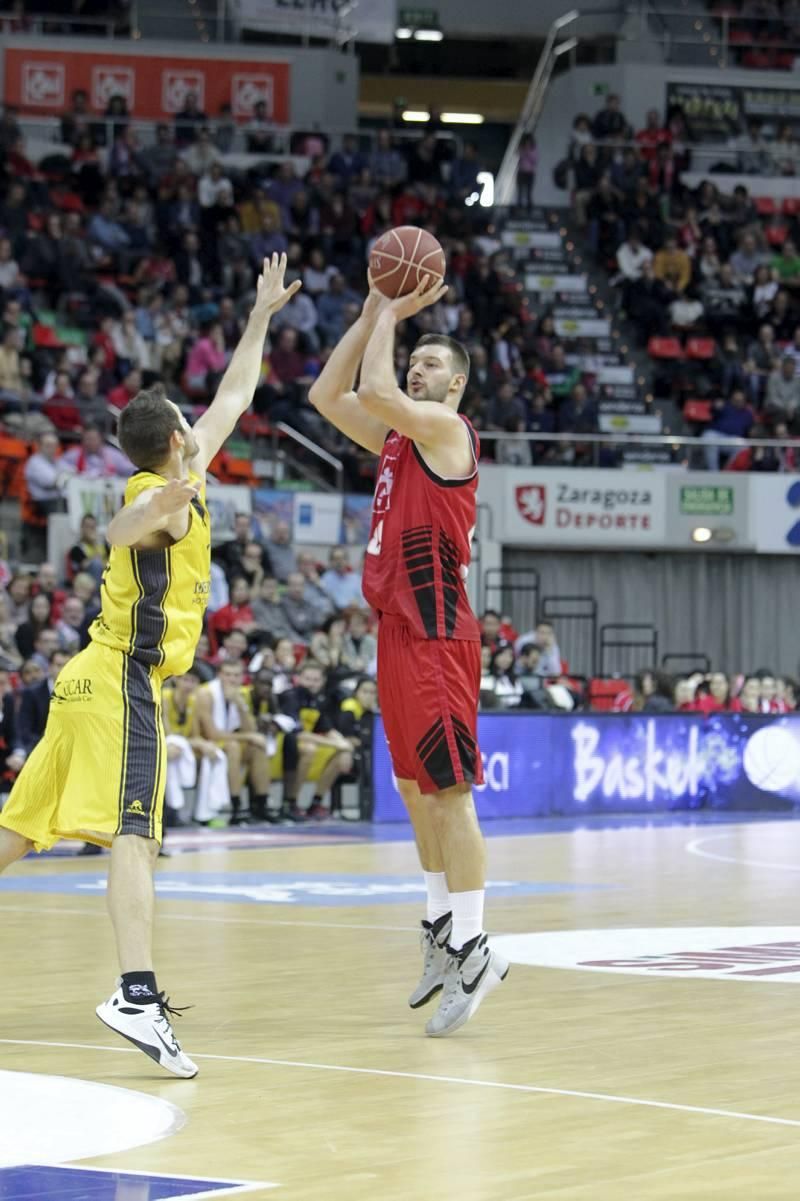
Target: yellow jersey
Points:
(174, 721)
(152, 602)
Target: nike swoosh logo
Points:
(169, 1050)
(470, 988)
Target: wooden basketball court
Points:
(667, 1072)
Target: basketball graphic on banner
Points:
(772, 759)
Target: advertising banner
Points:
(775, 514)
(713, 111)
(539, 765)
(716, 112)
(373, 20)
(154, 87)
(102, 498)
(583, 508)
(318, 517)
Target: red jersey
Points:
(420, 543)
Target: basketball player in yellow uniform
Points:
(98, 774)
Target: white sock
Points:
(467, 916)
(438, 896)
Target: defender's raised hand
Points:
(271, 295)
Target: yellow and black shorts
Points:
(100, 769)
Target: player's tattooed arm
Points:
(332, 393)
(157, 511)
(235, 393)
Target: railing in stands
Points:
(671, 442)
(502, 585)
(531, 109)
(705, 156)
(575, 618)
(622, 645)
(281, 455)
(686, 663)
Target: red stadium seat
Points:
(664, 348)
(697, 410)
(791, 206)
(700, 348)
(765, 206)
(776, 235)
(607, 695)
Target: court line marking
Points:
(694, 848)
(198, 917)
(237, 1186)
(611, 1098)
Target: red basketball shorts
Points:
(428, 691)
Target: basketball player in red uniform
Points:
(429, 668)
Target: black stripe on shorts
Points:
(141, 752)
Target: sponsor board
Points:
(250, 88)
(177, 84)
(775, 514)
(110, 81)
(595, 508)
(705, 501)
(541, 765)
(42, 84)
(278, 888)
(156, 85)
(754, 953)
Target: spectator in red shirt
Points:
(652, 136)
(236, 615)
(60, 407)
(712, 695)
(749, 699)
(120, 396)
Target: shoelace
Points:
(168, 1011)
(172, 1010)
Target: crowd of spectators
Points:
(709, 278)
(282, 688)
(760, 692)
(133, 258)
(762, 34)
(528, 672)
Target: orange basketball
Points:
(401, 257)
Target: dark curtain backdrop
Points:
(743, 611)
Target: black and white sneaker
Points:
(148, 1027)
(470, 975)
(433, 944)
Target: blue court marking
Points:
(192, 841)
(278, 888)
(508, 827)
(31, 1182)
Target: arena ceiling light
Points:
(413, 114)
(428, 35)
(701, 533)
(404, 33)
(463, 118)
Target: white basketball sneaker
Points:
(148, 1027)
(433, 943)
(470, 975)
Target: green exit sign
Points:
(419, 18)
